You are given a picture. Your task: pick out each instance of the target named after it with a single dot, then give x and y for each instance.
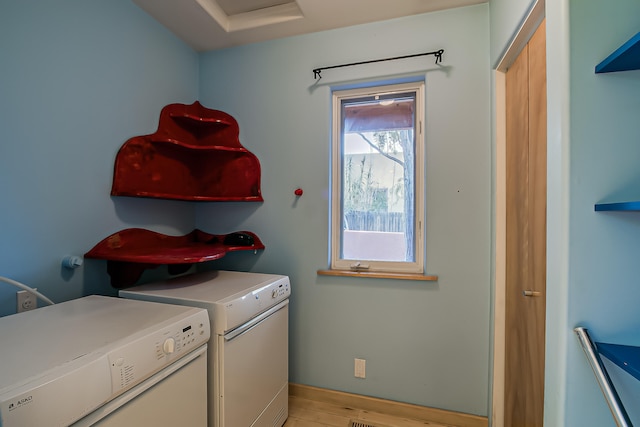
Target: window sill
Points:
(379, 275)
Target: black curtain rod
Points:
(436, 53)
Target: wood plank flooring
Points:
(312, 413)
(316, 407)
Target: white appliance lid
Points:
(88, 351)
(40, 340)
(207, 287)
(231, 297)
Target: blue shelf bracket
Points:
(625, 58)
(618, 206)
(604, 381)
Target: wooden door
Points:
(526, 193)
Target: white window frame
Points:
(336, 215)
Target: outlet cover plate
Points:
(25, 301)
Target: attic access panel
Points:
(234, 7)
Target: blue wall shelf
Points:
(625, 58)
(625, 356)
(620, 206)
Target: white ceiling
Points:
(216, 24)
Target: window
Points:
(377, 179)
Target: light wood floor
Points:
(312, 413)
(314, 407)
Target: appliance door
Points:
(175, 396)
(254, 371)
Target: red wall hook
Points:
(298, 192)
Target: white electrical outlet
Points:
(360, 368)
(26, 301)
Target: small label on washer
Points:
(20, 402)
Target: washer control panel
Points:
(141, 358)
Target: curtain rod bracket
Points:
(317, 72)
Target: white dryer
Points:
(248, 350)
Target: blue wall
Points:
(77, 79)
(80, 78)
(425, 343)
(605, 148)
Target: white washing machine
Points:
(248, 350)
(104, 361)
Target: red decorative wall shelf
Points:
(131, 251)
(194, 155)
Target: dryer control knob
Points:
(169, 346)
(274, 293)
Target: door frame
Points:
(531, 22)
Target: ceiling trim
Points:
(219, 24)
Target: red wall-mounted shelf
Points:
(131, 251)
(194, 155)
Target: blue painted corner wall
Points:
(77, 80)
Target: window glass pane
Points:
(378, 178)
